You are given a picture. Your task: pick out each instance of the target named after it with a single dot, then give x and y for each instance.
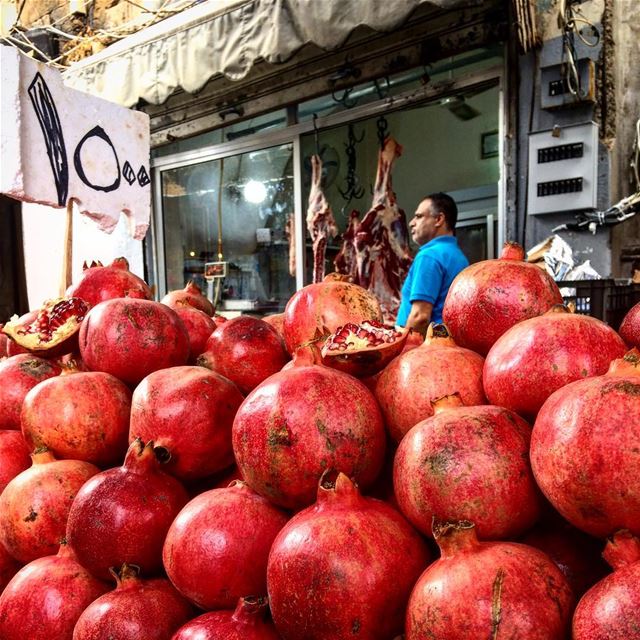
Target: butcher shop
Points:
(287, 153)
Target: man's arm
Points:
(419, 316)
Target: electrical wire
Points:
(569, 17)
(116, 33)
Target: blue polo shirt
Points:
(433, 269)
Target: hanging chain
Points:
(353, 189)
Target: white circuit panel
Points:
(563, 169)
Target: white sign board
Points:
(58, 144)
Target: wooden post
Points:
(65, 276)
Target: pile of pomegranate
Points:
(168, 474)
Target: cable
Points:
(569, 16)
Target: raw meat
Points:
(375, 250)
(320, 221)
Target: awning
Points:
(227, 37)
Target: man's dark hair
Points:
(443, 203)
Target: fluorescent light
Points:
(254, 192)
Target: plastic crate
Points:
(604, 299)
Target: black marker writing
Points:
(96, 132)
(49, 120)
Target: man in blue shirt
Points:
(437, 263)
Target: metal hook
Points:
(344, 100)
(383, 92)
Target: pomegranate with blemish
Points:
(300, 422)
(488, 590)
(34, 506)
(131, 338)
(468, 463)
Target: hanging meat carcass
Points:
(375, 250)
(320, 221)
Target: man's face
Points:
(424, 225)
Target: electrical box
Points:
(554, 90)
(563, 169)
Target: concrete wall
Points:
(626, 27)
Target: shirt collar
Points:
(439, 240)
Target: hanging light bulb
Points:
(254, 192)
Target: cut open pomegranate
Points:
(52, 330)
(363, 349)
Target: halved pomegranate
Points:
(53, 330)
(362, 349)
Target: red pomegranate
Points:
(99, 283)
(317, 310)
(79, 416)
(132, 338)
(246, 350)
(14, 349)
(610, 610)
(45, 599)
(190, 296)
(189, 412)
(34, 506)
(217, 547)
(576, 554)
(584, 450)
(199, 326)
(437, 368)
(52, 331)
(537, 356)
(489, 297)
(123, 514)
(18, 375)
(343, 567)
(135, 610)
(630, 326)
(249, 621)
(468, 463)
(300, 422)
(14, 456)
(488, 590)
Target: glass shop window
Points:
(238, 206)
(450, 145)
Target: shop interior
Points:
(239, 208)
